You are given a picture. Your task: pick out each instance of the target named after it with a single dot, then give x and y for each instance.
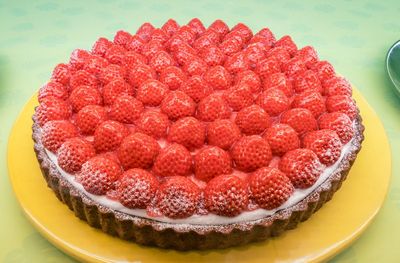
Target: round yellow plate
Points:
(326, 233)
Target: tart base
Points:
(151, 232)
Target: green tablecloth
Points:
(353, 35)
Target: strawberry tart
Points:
(189, 137)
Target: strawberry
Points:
(186, 34)
(138, 150)
(273, 101)
(145, 31)
(219, 27)
(338, 122)
(136, 44)
(239, 97)
(197, 26)
(197, 88)
(212, 108)
(222, 133)
(337, 86)
(342, 103)
(264, 36)
(100, 46)
(61, 74)
(237, 62)
(308, 55)
(176, 44)
(306, 81)
(122, 38)
(178, 197)
(126, 109)
(55, 133)
(151, 48)
(173, 77)
(115, 88)
(109, 135)
(210, 162)
(132, 58)
(152, 92)
(139, 74)
(231, 45)
(83, 78)
(325, 143)
(250, 153)
(243, 31)
(187, 131)
(53, 89)
(255, 53)
(287, 43)
(203, 42)
(173, 160)
(177, 105)
(311, 100)
(280, 82)
(115, 54)
(78, 58)
(83, 96)
(270, 188)
(282, 138)
(170, 27)
(111, 72)
(52, 108)
(95, 65)
(267, 67)
(153, 123)
(195, 67)
(302, 167)
(226, 195)
(218, 78)
(159, 35)
(252, 120)
(280, 54)
(185, 57)
(99, 174)
(293, 66)
(161, 60)
(324, 70)
(249, 78)
(302, 120)
(212, 55)
(89, 117)
(73, 153)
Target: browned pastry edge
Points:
(186, 236)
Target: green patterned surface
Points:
(353, 35)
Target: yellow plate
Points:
(329, 231)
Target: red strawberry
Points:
(55, 133)
(306, 80)
(78, 58)
(338, 122)
(89, 117)
(135, 44)
(249, 78)
(250, 153)
(136, 188)
(337, 86)
(325, 143)
(255, 53)
(185, 57)
(342, 103)
(153, 123)
(95, 65)
(231, 45)
(132, 58)
(187, 34)
(280, 82)
(173, 160)
(173, 77)
(161, 60)
(203, 42)
(83, 96)
(73, 153)
(61, 74)
(111, 72)
(282, 138)
(218, 77)
(52, 108)
(210, 162)
(109, 135)
(197, 88)
(237, 62)
(114, 89)
(100, 46)
(170, 27)
(270, 188)
(53, 89)
(177, 105)
(145, 31)
(252, 120)
(115, 54)
(239, 97)
(126, 109)
(212, 55)
(178, 197)
(302, 167)
(159, 35)
(293, 67)
(288, 44)
(226, 195)
(138, 150)
(212, 108)
(139, 74)
(273, 101)
(265, 36)
(176, 45)
(187, 131)
(267, 67)
(99, 174)
(308, 55)
(310, 100)
(302, 120)
(195, 67)
(220, 27)
(82, 78)
(197, 26)
(222, 133)
(151, 48)
(152, 92)
(324, 70)
(122, 38)
(243, 31)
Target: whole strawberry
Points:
(311, 100)
(100, 46)
(177, 105)
(308, 55)
(145, 31)
(61, 74)
(282, 138)
(210, 162)
(139, 74)
(338, 122)
(122, 38)
(112, 72)
(153, 123)
(249, 78)
(220, 27)
(237, 62)
(55, 133)
(211, 54)
(197, 26)
(115, 54)
(342, 103)
(52, 108)
(252, 120)
(302, 120)
(53, 89)
(116, 88)
(83, 96)
(73, 153)
(170, 27)
(161, 60)
(218, 78)
(173, 77)
(324, 70)
(212, 108)
(89, 117)
(126, 109)
(222, 133)
(273, 101)
(278, 81)
(197, 88)
(109, 135)
(287, 43)
(337, 86)
(325, 143)
(83, 78)
(307, 81)
(173, 160)
(239, 97)
(187, 131)
(152, 92)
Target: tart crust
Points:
(151, 232)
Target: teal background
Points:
(352, 35)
